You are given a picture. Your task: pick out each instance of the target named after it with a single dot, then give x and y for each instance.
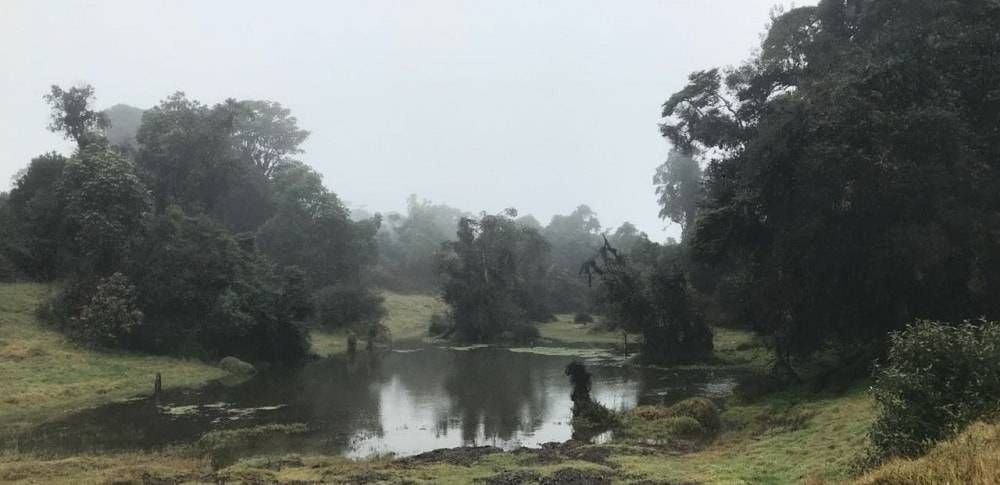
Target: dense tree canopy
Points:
(190, 231)
(851, 168)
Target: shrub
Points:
(524, 333)
(700, 409)
(684, 427)
(937, 379)
(691, 419)
(441, 325)
(583, 318)
(337, 306)
(110, 316)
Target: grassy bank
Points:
(43, 375)
(790, 438)
(563, 331)
(787, 437)
(407, 317)
(971, 457)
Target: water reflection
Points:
(397, 402)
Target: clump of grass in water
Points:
(224, 447)
(589, 418)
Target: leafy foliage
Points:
(103, 205)
(850, 175)
(494, 275)
(111, 316)
(678, 185)
(72, 115)
(204, 295)
(266, 133)
(652, 297)
(938, 378)
(36, 242)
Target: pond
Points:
(399, 402)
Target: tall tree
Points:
(104, 203)
(678, 187)
(851, 171)
(265, 133)
(492, 273)
(73, 116)
(185, 153)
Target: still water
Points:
(395, 402)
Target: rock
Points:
(233, 365)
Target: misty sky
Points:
(538, 105)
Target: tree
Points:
(408, 243)
(123, 125)
(205, 295)
(493, 276)
(678, 186)
(104, 203)
(312, 230)
(185, 154)
(850, 172)
(36, 243)
(648, 293)
(265, 133)
(573, 238)
(72, 116)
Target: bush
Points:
(583, 318)
(937, 379)
(337, 306)
(524, 333)
(110, 316)
(441, 325)
(700, 409)
(695, 419)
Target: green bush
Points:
(700, 409)
(683, 427)
(524, 333)
(441, 325)
(937, 379)
(338, 306)
(110, 316)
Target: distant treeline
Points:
(190, 229)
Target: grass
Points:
(972, 457)
(407, 317)
(787, 437)
(739, 347)
(170, 466)
(564, 331)
(43, 374)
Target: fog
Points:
(481, 105)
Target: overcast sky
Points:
(538, 105)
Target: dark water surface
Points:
(400, 402)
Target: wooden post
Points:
(157, 384)
(625, 338)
